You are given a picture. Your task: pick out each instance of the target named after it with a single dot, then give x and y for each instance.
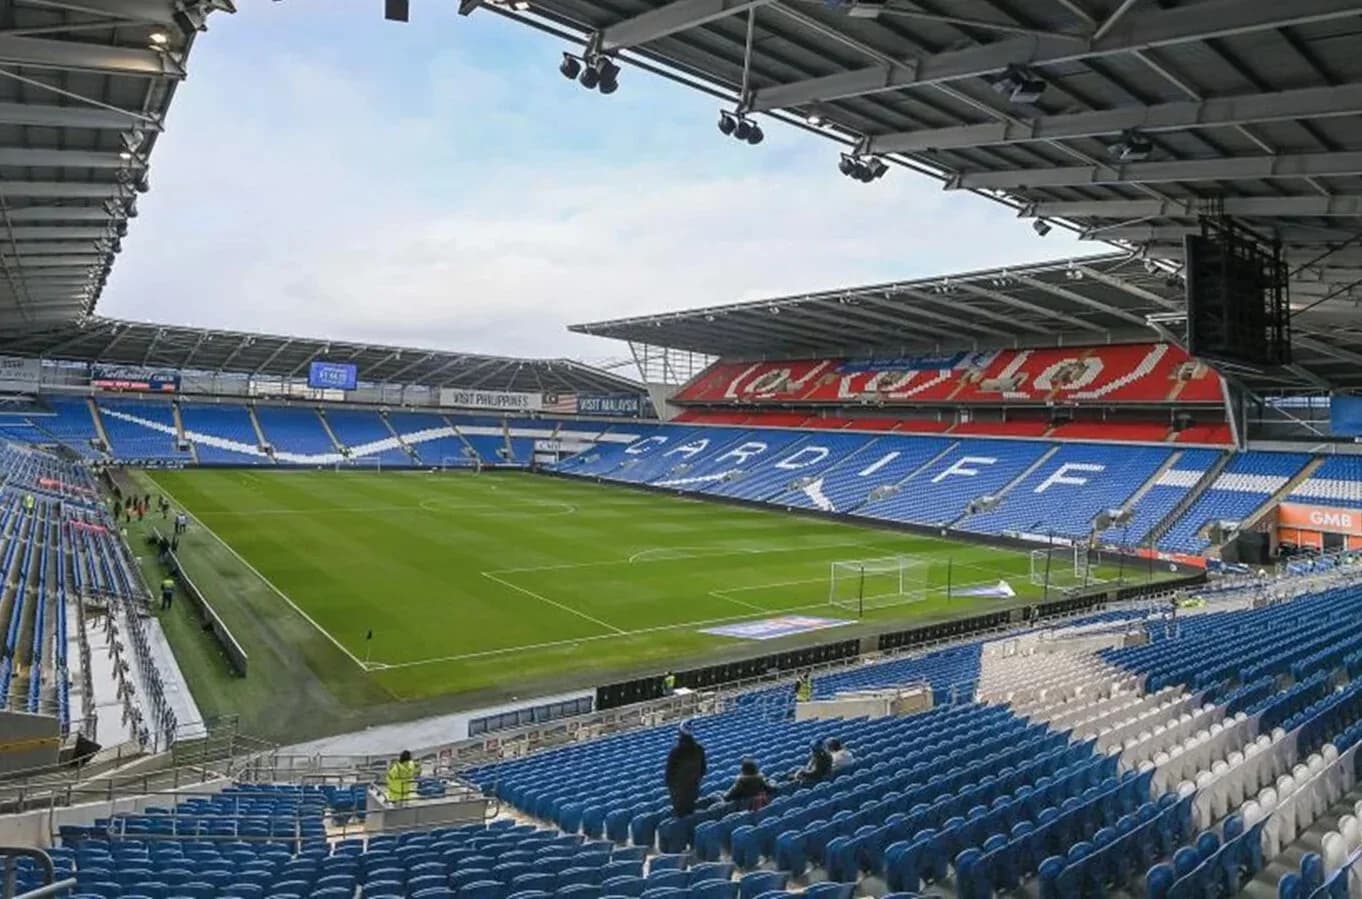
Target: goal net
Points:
(360, 463)
(1064, 567)
(468, 462)
(858, 585)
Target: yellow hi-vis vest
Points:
(402, 780)
(804, 692)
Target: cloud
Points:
(476, 201)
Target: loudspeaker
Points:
(396, 10)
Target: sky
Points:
(439, 184)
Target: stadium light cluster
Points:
(740, 127)
(596, 72)
(862, 168)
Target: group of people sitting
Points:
(687, 766)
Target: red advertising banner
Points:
(1326, 519)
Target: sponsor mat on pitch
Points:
(774, 628)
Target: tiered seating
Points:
(799, 464)
(938, 493)
(1065, 494)
(296, 431)
(141, 431)
(1337, 482)
(430, 435)
(1159, 500)
(1245, 484)
(524, 432)
(70, 424)
(870, 471)
(1138, 432)
(1013, 428)
(486, 434)
(1219, 434)
(1143, 373)
(363, 433)
(222, 434)
(730, 465)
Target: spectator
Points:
(751, 790)
(402, 776)
(804, 687)
(841, 756)
(686, 767)
(818, 767)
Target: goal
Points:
(857, 585)
(360, 463)
(471, 462)
(1064, 567)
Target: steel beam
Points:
(66, 159)
(1307, 103)
(1079, 299)
(55, 233)
(68, 261)
(1272, 207)
(1155, 233)
(1290, 165)
(1018, 303)
(45, 248)
(74, 116)
(680, 15)
(64, 189)
(80, 56)
(1157, 28)
(58, 214)
(1134, 290)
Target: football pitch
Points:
(436, 583)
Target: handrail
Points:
(9, 875)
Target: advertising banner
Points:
(20, 375)
(502, 400)
(1320, 518)
(625, 404)
(120, 377)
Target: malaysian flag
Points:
(561, 403)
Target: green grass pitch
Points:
(501, 582)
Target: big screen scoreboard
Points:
(333, 375)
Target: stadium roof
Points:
(1149, 113)
(1083, 301)
(114, 342)
(84, 90)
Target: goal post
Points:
(1064, 566)
(859, 585)
(360, 463)
(461, 463)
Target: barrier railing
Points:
(9, 874)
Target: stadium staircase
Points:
(1007, 488)
(1280, 496)
(1168, 465)
(893, 486)
(326, 426)
(180, 438)
(259, 431)
(98, 421)
(406, 447)
(1187, 502)
(469, 448)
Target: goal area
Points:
(859, 585)
(1071, 567)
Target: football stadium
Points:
(1040, 580)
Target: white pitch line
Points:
(709, 555)
(570, 642)
(266, 581)
(530, 593)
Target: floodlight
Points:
(1041, 227)
(570, 67)
(755, 136)
(728, 122)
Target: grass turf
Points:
(506, 583)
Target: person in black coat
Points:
(751, 789)
(686, 767)
(819, 765)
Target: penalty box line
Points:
(553, 644)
